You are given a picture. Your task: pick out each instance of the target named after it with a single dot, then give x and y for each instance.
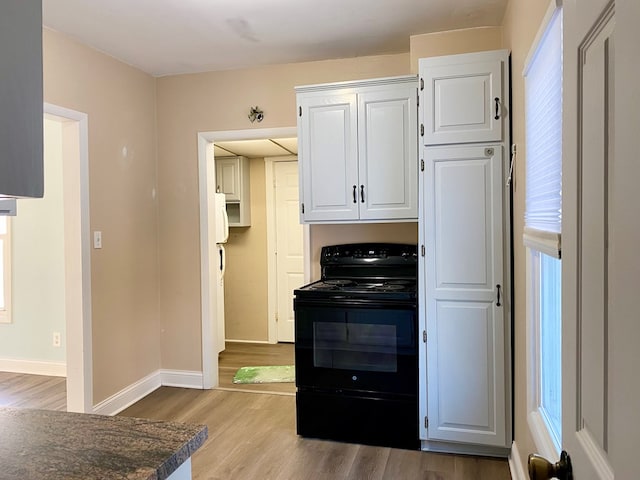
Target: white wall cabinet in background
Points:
(21, 113)
(358, 151)
(464, 276)
(232, 179)
(465, 97)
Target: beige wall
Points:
(246, 271)
(219, 101)
(466, 40)
(353, 233)
(120, 103)
(521, 23)
(146, 279)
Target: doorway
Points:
(77, 251)
(68, 130)
(206, 166)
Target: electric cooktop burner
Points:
(338, 282)
(374, 271)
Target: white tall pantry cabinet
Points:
(464, 276)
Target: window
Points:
(542, 232)
(5, 270)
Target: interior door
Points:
(600, 237)
(289, 245)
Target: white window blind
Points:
(543, 97)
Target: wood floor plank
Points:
(237, 355)
(253, 435)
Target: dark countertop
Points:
(44, 445)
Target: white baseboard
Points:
(140, 389)
(515, 465)
(181, 378)
(129, 395)
(33, 367)
(231, 340)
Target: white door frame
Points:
(206, 183)
(272, 271)
(79, 357)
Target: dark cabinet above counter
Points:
(21, 97)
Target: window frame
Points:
(538, 242)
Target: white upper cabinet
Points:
(328, 156)
(466, 97)
(21, 113)
(229, 175)
(232, 179)
(358, 151)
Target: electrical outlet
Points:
(56, 339)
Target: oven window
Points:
(355, 346)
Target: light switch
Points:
(97, 239)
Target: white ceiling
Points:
(165, 37)
(257, 148)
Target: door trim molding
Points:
(515, 464)
(79, 354)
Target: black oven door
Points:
(358, 346)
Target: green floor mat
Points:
(268, 374)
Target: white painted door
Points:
(601, 234)
(465, 97)
(466, 372)
(289, 246)
(387, 150)
(329, 156)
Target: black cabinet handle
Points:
(497, 100)
(498, 304)
(362, 193)
(355, 200)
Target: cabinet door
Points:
(21, 120)
(327, 131)
(387, 150)
(465, 346)
(464, 99)
(228, 178)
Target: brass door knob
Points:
(542, 469)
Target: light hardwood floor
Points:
(33, 391)
(253, 435)
(238, 355)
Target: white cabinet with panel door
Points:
(466, 374)
(232, 179)
(464, 274)
(358, 151)
(465, 97)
